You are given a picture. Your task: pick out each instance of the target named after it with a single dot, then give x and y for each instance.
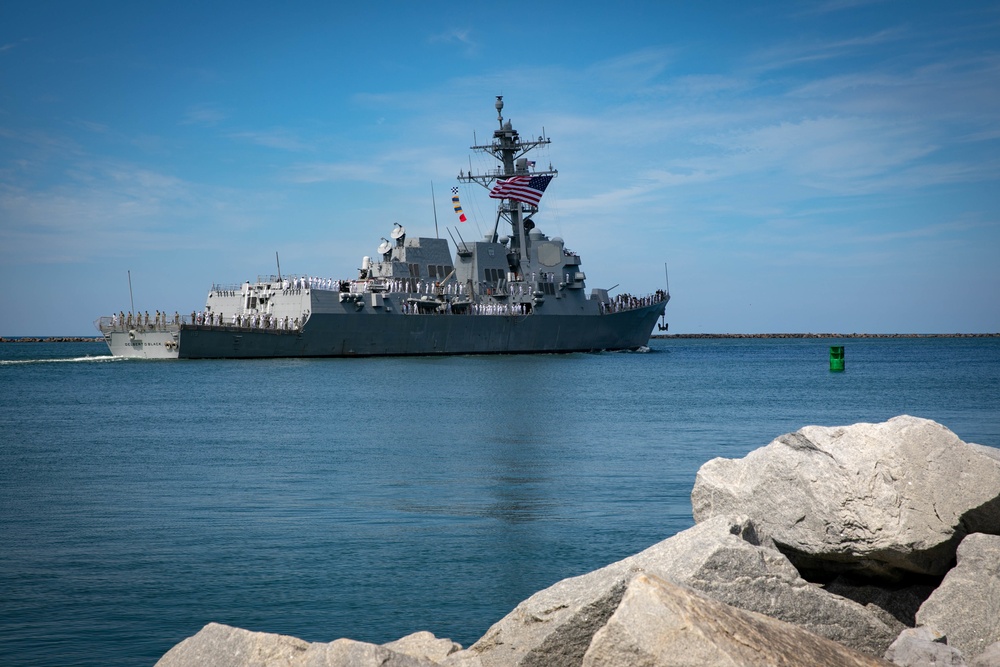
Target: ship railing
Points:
(285, 277)
(286, 281)
(291, 282)
(249, 321)
(625, 302)
(108, 324)
(414, 306)
(404, 285)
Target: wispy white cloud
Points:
(278, 138)
(36, 138)
(944, 230)
(877, 129)
(107, 208)
(459, 36)
(787, 55)
(91, 126)
(333, 172)
(203, 114)
(830, 6)
(10, 46)
(638, 68)
(684, 88)
(839, 152)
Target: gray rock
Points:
(881, 500)
(917, 647)
(349, 653)
(988, 658)
(890, 602)
(923, 633)
(225, 646)
(992, 452)
(660, 624)
(553, 627)
(719, 557)
(463, 659)
(424, 645)
(966, 606)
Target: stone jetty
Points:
(869, 544)
(52, 339)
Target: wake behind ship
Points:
(506, 294)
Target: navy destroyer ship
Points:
(510, 293)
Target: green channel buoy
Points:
(836, 357)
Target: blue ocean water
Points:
(371, 498)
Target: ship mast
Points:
(508, 148)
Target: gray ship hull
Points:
(142, 342)
(335, 335)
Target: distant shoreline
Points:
(98, 339)
(829, 335)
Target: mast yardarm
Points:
(509, 150)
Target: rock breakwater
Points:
(53, 339)
(826, 335)
(851, 545)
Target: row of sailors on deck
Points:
(461, 289)
(302, 282)
(305, 282)
(142, 319)
(473, 309)
(417, 286)
(360, 286)
(408, 285)
(247, 320)
(411, 285)
(499, 309)
(629, 302)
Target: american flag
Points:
(527, 189)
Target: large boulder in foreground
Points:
(724, 559)
(425, 645)
(225, 646)
(660, 624)
(719, 557)
(879, 500)
(966, 606)
(350, 653)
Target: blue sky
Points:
(801, 167)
